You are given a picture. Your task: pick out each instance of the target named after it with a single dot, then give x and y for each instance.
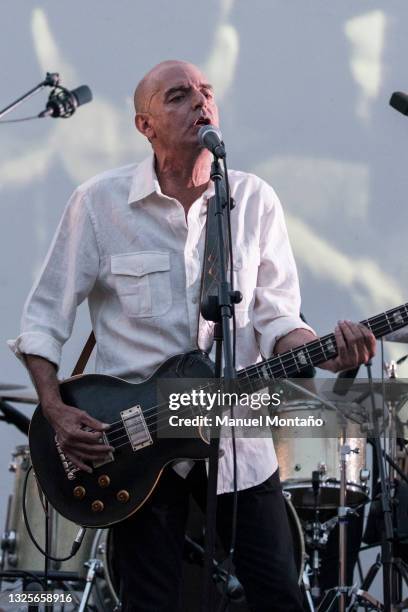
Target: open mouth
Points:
(202, 121)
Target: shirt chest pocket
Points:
(142, 282)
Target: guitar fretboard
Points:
(317, 351)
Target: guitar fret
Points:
(388, 321)
(330, 346)
(322, 348)
(268, 366)
(249, 380)
(300, 358)
(398, 318)
(265, 373)
(283, 367)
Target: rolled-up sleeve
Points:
(67, 276)
(277, 295)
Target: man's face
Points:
(180, 101)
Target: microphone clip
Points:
(61, 103)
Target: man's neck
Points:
(183, 177)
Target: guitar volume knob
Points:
(79, 492)
(104, 481)
(123, 496)
(97, 506)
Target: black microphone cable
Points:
(75, 545)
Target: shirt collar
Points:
(145, 182)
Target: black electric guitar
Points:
(121, 484)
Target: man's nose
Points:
(199, 100)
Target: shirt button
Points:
(194, 300)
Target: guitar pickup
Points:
(136, 428)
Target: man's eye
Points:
(177, 98)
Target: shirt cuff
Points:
(36, 343)
(281, 326)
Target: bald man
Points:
(131, 241)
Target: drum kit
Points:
(324, 480)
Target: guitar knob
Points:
(104, 481)
(123, 496)
(79, 492)
(97, 506)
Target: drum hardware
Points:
(307, 588)
(94, 566)
(340, 592)
(395, 571)
(316, 537)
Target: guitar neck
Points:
(317, 351)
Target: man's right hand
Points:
(78, 445)
(69, 423)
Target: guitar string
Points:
(158, 420)
(254, 368)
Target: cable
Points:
(21, 119)
(231, 256)
(30, 533)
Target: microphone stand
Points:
(219, 310)
(388, 533)
(51, 80)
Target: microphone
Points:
(63, 103)
(399, 101)
(210, 138)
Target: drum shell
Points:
(299, 455)
(24, 556)
(107, 597)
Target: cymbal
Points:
(26, 396)
(391, 385)
(401, 335)
(9, 387)
(393, 390)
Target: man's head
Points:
(172, 101)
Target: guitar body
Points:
(86, 499)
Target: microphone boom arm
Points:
(51, 80)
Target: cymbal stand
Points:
(388, 534)
(340, 592)
(94, 566)
(316, 537)
(343, 512)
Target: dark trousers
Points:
(149, 545)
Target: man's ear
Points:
(143, 124)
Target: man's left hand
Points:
(355, 345)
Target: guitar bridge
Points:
(136, 428)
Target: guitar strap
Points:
(209, 275)
(209, 280)
(85, 355)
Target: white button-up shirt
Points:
(129, 249)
